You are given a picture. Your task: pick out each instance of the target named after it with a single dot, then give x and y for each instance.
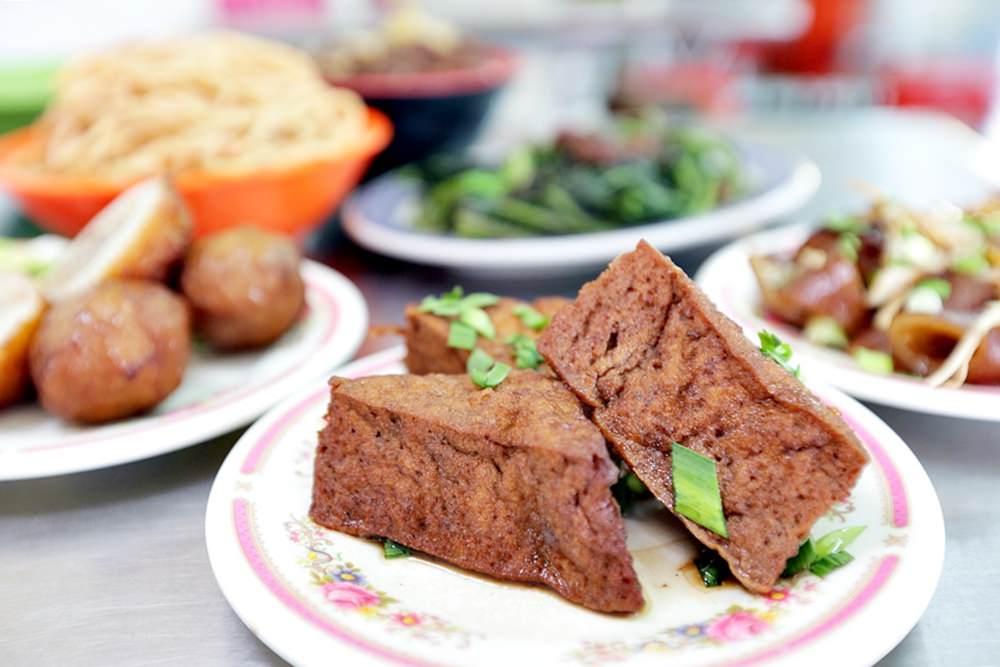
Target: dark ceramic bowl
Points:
(432, 111)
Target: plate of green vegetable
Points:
(579, 199)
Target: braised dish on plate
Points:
(916, 292)
(525, 430)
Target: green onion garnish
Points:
(848, 244)
(461, 336)
(844, 223)
(827, 564)
(635, 484)
(446, 305)
(392, 549)
(971, 264)
(712, 568)
(485, 372)
(802, 560)
(837, 540)
(530, 317)
(939, 286)
(825, 554)
(525, 353)
(696, 489)
(478, 320)
(480, 300)
(873, 361)
(824, 330)
(777, 350)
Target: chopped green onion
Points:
(478, 320)
(446, 305)
(825, 554)
(827, 564)
(530, 317)
(485, 372)
(525, 353)
(837, 540)
(824, 330)
(712, 568)
(801, 561)
(971, 264)
(844, 223)
(777, 350)
(873, 361)
(635, 484)
(848, 244)
(392, 549)
(988, 225)
(923, 300)
(696, 489)
(461, 336)
(938, 285)
(479, 300)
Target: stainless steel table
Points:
(109, 567)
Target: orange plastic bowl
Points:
(291, 201)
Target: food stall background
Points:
(712, 56)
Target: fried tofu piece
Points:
(512, 482)
(659, 364)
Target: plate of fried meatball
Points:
(137, 339)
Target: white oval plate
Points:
(318, 597)
(220, 392)
(379, 217)
(729, 281)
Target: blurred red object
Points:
(816, 50)
(703, 85)
(961, 87)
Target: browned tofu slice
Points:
(511, 482)
(427, 348)
(659, 364)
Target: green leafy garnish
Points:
(988, 225)
(525, 353)
(628, 489)
(844, 223)
(837, 540)
(478, 320)
(827, 564)
(824, 330)
(801, 561)
(446, 305)
(461, 336)
(848, 244)
(485, 372)
(777, 350)
(392, 549)
(971, 264)
(479, 300)
(530, 317)
(712, 568)
(696, 489)
(825, 554)
(873, 361)
(939, 286)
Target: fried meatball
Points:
(245, 287)
(113, 351)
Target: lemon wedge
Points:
(21, 309)
(141, 234)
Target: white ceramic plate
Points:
(379, 217)
(219, 392)
(729, 281)
(319, 597)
